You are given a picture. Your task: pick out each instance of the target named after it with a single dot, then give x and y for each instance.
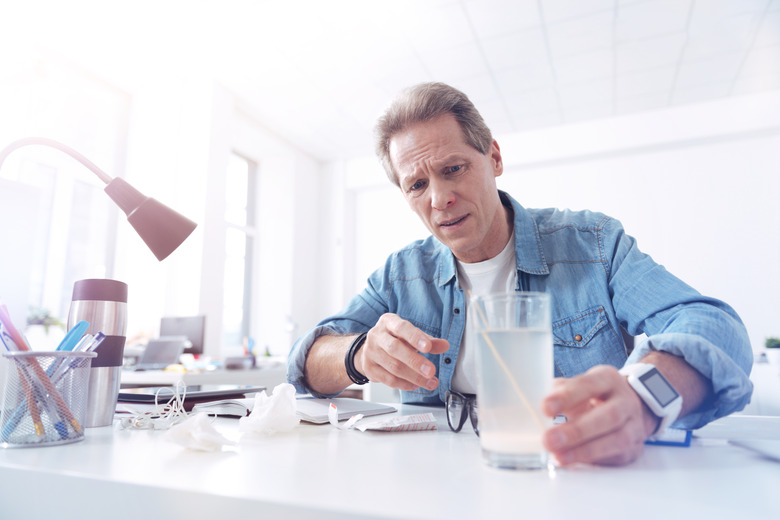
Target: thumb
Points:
(439, 346)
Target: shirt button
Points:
(447, 361)
(457, 311)
(577, 338)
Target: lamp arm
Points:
(59, 146)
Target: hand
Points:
(391, 355)
(607, 423)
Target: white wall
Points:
(181, 138)
(697, 186)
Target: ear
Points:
(495, 159)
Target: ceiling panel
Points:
(583, 34)
(317, 72)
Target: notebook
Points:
(309, 409)
(196, 394)
(161, 352)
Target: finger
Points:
(602, 419)
(387, 359)
(439, 346)
(619, 447)
(383, 368)
(574, 393)
(410, 334)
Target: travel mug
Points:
(103, 304)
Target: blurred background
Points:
(254, 119)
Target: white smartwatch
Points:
(656, 392)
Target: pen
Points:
(13, 334)
(73, 336)
(84, 346)
(46, 406)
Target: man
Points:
(436, 148)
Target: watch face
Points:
(659, 387)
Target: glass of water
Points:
(513, 337)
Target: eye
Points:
(417, 185)
(453, 169)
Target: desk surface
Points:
(323, 472)
(266, 376)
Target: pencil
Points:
(58, 400)
(35, 413)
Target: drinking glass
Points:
(513, 337)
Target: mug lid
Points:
(100, 289)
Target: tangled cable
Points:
(162, 416)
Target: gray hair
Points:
(425, 102)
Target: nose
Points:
(442, 196)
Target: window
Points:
(240, 234)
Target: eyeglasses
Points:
(459, 406)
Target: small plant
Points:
(40, 316)
(772, 343)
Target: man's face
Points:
(452, 187)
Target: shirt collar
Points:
(528, 244)
(529, 256)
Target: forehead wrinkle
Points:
(423, 162)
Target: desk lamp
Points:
(160, 227)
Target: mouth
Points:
(453, 222)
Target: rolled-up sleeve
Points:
(725, 367)
(360, 314)
(677, 319)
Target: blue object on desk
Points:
(73, 336)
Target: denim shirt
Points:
(599, 281)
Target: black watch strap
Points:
(349, 360)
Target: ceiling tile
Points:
(514, 81)
(718, 69)
(452, 63)
(762, 61)
(492, 18)
(558, 10)
(710, 10)
(584, 67)
(536, 121)
(649, 53)
(578, 95)
(648, 19)
(524, 48)
(581, 35)
(722, 35)
(532, 102)
(437, 28)
(769, 32)
(701, 93)
(638, 83)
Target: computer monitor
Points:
(193, 327)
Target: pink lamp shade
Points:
(160, 227)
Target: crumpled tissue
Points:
(273, 414)
(197, 433)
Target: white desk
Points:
(267, 376)
(322, 472)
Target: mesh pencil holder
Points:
(45, 398)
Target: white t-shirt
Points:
(497, 274)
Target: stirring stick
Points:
(505, 368)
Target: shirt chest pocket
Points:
(579, 329)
